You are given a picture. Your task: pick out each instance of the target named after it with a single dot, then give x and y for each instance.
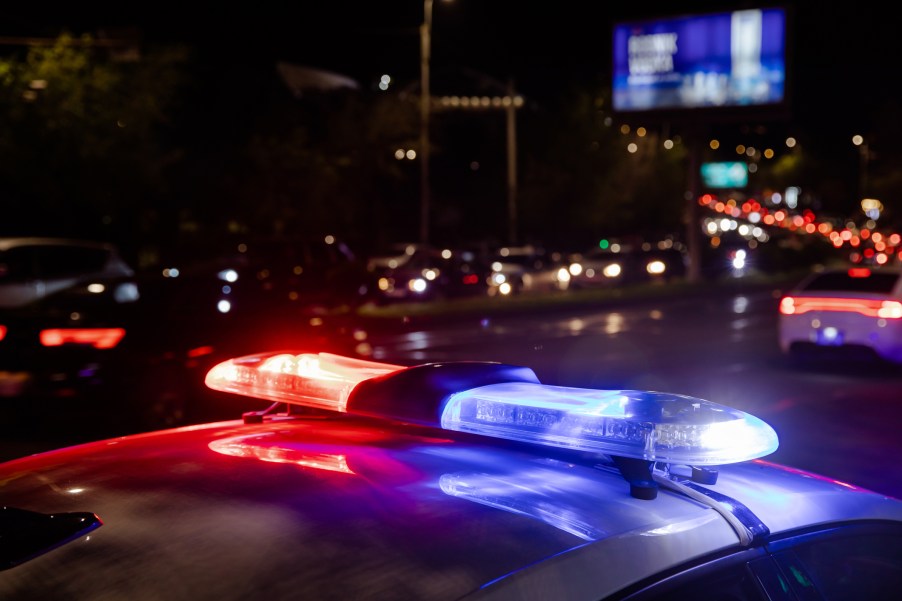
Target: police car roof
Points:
(337, 506)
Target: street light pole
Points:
(425, 100)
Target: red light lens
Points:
(859, 272)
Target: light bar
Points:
(99, 338)
(504, 401)
(321, 380)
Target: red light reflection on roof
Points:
(236, 447)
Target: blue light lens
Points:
(646, 425)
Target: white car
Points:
(844, 309)
(458, 480)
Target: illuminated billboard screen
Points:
(734, 174)
(729, 59)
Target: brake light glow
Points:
(504, 401)
(2, 332)
(885, 309)
(99, 338)
(859, 272)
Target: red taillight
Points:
(100, 338)
(471, 278)
(867, 307)
(859, 272)
(2, 332)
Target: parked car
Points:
(458, 480)
(65, 307)
(113, 350)
(33, 268)
(849, 311)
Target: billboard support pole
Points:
(693, 227)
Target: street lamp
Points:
(425, 34)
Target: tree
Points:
(83, 148)
(581, 183)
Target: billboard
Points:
(730, 174)
(720, 60)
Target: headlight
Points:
(612, 271)
(417, 285)
(656, 267)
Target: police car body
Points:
(460, 480)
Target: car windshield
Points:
(880, 283)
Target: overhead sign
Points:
(728, 59)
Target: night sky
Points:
(845, 61)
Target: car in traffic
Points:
(356, 479)
(309, 274)
(528, 268)
(65, 306)
(622, 263)
(87, 343)
(421, 272)
(851, 312)
(596, 267)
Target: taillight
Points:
(2, 332)
(787, 305)
(100, 338)
(890, 310)
(868, 307)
